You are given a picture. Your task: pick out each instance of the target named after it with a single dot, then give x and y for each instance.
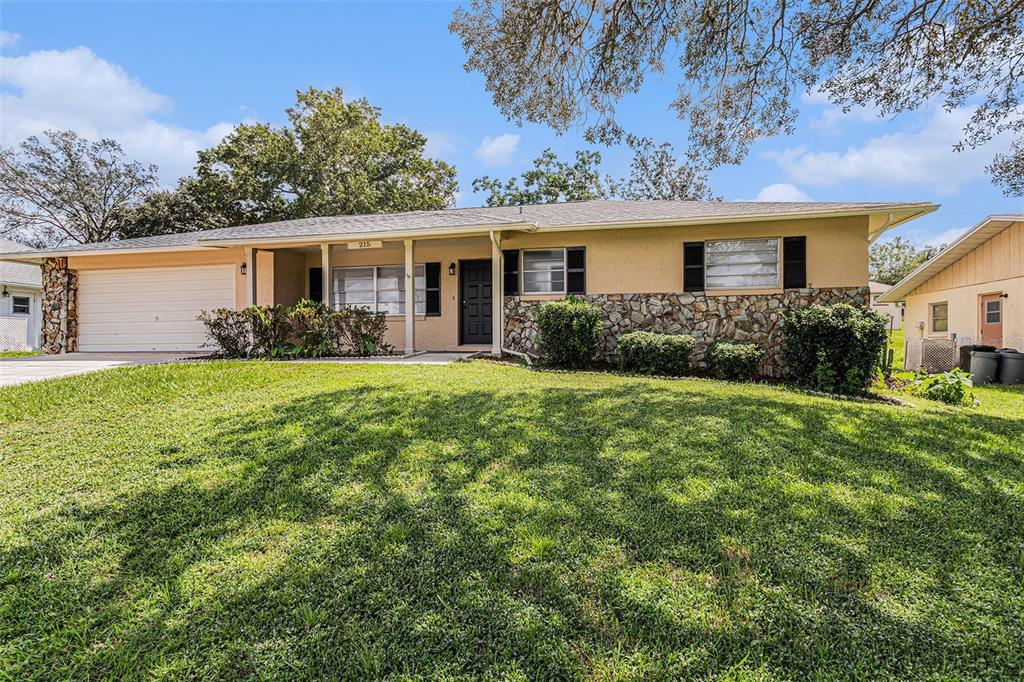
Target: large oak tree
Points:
(334, 157)
(743, 64)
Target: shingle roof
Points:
(24, 274)
(536, 216)
(970, 240)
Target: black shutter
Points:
(576, 270)
(433, 277)
(316, 284)
(511, 272)
(693, 266)
(794, 262)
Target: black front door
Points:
(475, 292)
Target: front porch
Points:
(455, 285)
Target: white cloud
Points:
(945, 237)
(781, 191)
(924, 158)
(77, 90)
(497, 151)
(8, 39)
(440, 144)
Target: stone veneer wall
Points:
(754, 318)
(60, 307)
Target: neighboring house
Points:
(713, 269)
(892, 311)
(972, 292)
(21, 289)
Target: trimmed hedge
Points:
(735, 360)
(650, 353)
(308, 330)
(570, 331)
(834, 348)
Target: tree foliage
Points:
(896, 258)
(65, 189)
(654, 174)
(334, 157)
(744, 65)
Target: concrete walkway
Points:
(38, 367)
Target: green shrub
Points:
(735, 360)
(360, 331)
(834, 348)
(953, 388)
(312, 330)
(650, 353)
(271, 331)
(308, 329)
(230, 331)
(570, 331)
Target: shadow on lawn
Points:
(557, 532)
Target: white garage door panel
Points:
(150, 308)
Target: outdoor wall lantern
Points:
(451, 269)
(243, 269)
(6, 293)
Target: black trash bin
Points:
(965, 355)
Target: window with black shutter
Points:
(511, 272)
(576, 270)
(316, 284)
(433, 289)
(693, 266)
(794, 262)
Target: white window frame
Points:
(778, 263)
(522, 271)
(998, 311)
(376, 278)
(28, 304)
(931, 317)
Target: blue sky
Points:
(166, 78)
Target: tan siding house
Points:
(973, 291)
(713, 269)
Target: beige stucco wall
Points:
(291, 279)
(965, 310)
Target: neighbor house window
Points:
(380, 288)
(21, 305)
(940, 317)
(544, 271)
(993, 312)
(741, 264)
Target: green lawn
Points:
(17, 353)
(295, 521)
(896, 344)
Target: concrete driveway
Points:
(35, 368)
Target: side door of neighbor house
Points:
(990, 319)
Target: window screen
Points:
(742, 263)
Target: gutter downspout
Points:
(885, 226)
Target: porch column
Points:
(410, 299)
(250, 270)
(326, 281)
(497, 294)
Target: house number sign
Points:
(366, 245)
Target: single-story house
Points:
(892, 311)
(713, 269)
(972, 292)
(21, 293)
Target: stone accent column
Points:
(60, 307)
(755, 318)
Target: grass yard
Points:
(17, 353)
(296, 521)
(896, 337)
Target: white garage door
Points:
(150, 308)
